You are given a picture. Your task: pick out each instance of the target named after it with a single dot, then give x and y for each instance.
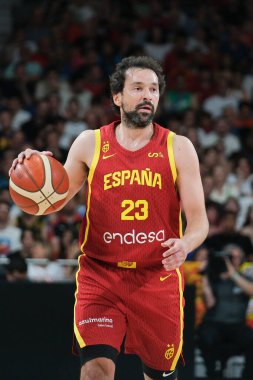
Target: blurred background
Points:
(55, 61)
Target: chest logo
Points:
(105, 146)
(155, 154)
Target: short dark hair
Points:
(16, 263)
(117, 79)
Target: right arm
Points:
(77, 164)
(78, 161)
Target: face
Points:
(236, 257)
(139, 98)
(4, 212)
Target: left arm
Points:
(193, 203)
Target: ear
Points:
(117, 99)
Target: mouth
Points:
(145, 108)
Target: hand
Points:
(231, 269)
(175, 255)
(26, 154)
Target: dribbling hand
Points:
(175, 255)
(27, 154)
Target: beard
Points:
(135, 119)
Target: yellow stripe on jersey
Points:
(181, 317)
(171, 155)
(90, 177)
(173, 171)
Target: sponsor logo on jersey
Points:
(101, 321)
(155, 154)
(134, 237)
(127, 264)
(143, 177)
(169, 352)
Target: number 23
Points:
(139, 209)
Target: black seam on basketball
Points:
(55, 189)
(31, 177)
(38, 189)
(35, 183)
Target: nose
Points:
(147, 94)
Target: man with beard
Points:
(129, 283)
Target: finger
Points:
(21, 157)
(14, 163)
(169, 260)
(168, 243)
(29, 152)
(47, 153)
(170, 267)
(171, 251)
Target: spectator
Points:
(42, 269)
(224, 139)
(76, 90)
(16, 269)
(37, 123)
(65, 227)
(216, 103)
(208, 183)
(50, 83)
(5, 129)
(214, 211)
(226, 292)
(247, 228)
(229, 234)
(19, 114)
(10, 236)
(222, 191)
(73, 125)
(27, 240)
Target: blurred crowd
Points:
(54, 70)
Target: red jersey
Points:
(132, 202)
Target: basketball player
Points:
(130, 282)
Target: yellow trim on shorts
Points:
(77, 334)
(90, 177)
(181, 317)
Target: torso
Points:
(132, 202)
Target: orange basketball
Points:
(39, 185)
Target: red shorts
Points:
(145, 305)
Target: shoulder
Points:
(84, 146)
(86, 136)
(85, 140)
(184, 150)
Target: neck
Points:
(3, 225)
(133, 138)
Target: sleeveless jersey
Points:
(132, 205)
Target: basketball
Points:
(39, 185)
